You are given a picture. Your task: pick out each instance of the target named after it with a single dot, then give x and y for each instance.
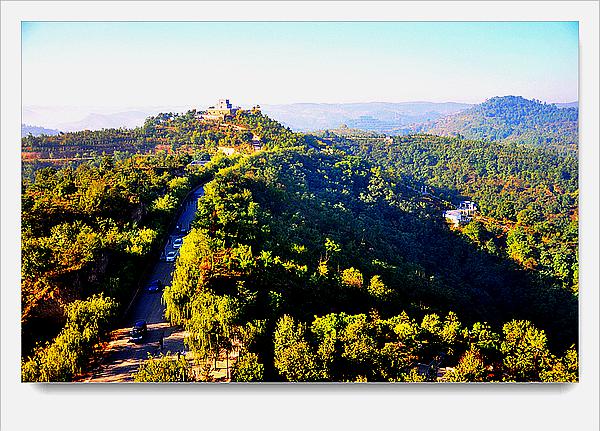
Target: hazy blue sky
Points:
(142, 64)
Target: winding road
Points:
(122, 357)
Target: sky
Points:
(129, 64)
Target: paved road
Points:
(123, 357)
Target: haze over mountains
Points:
(521, 119)
(72, 119)
(376, 116)
(26, 129)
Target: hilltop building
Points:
(222, 110)
(225, 110)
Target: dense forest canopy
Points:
(527, 196)
(286, 237)
(315, 257)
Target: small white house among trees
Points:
(462, 214)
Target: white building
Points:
(222, 110)
(227, 150)
(467, 207)
(454, 216)
(462, 213)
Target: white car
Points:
(177, 242)
(171, 256)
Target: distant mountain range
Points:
(70, 119)
(26, 129)
(568, 105)
(511, 118)
(127, 119)
(376, 116)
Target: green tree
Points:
(524, 350)
(167, 203)
(67, 355)
(247, 368)
(470, 368)
(294, 358)
(212, 325)
(164, 369)
(565, 369)
(352, 277)
(378, 290)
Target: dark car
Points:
(154, 286)
(171, 256)
(138, 331)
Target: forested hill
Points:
(171, 132)
(513, 119)
(314, 257)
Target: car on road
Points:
(154, 286)
(138, 331)
(177, 242)
(171, 256)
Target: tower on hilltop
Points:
(222, 110)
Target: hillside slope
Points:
(512, 119)
(315, 258)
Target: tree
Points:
(167, 203)
(179, 187)
(294, 357)
(378, 290)
(565, 369)
(164, 369)
(192, 270)
(524, 350)
(359, 346)
(247, 368)
(352, 277)
(331, 248)
(470, 368)
(212, 324)
(474, 230)
(67, 356)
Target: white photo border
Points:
(465, 407)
